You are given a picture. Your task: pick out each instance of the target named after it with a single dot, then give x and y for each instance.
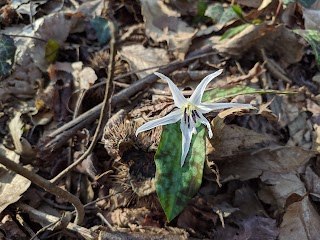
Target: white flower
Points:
(190, 110)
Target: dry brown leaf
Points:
(151, 57)
(232, 140)
(257, 37)
(12, 185)
(301, 221)
(312, 181)
(251, 165)
(247, 201)
(316, 138)
(288, 108)
(254, 227)
(314, 108)
(22, 146)
(164, 24)
(279, 186)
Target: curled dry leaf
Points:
(12, 185)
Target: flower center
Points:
(190, 110)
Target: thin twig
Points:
(47, 185)
(105, 221)
(61, 135)
(106, 104)
(40, 216)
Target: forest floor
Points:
(77, 80)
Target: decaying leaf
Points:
(229, 140)
(12, 185)
(279, 186)
(301, 221)
(11, 229)
(311, 19)
(312, 180)
(164, 24)
(256, 37)
(255, 227)
(151, 57)
(22, 146)
(55, 27)
(252, 164)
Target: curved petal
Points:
(172, 117)
(205, 108)
(204, 121)
(179, 99)
(186, 141)
(198, 92)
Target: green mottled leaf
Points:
(234, 31)
(313, 38)
(176, 185)
(52, 49)
(101, 26)
(7, 52)
(221, 93)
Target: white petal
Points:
(172, 117)
(198, 92)
(186, 140)
(205, 108)
(204, 121)
(179, 99)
